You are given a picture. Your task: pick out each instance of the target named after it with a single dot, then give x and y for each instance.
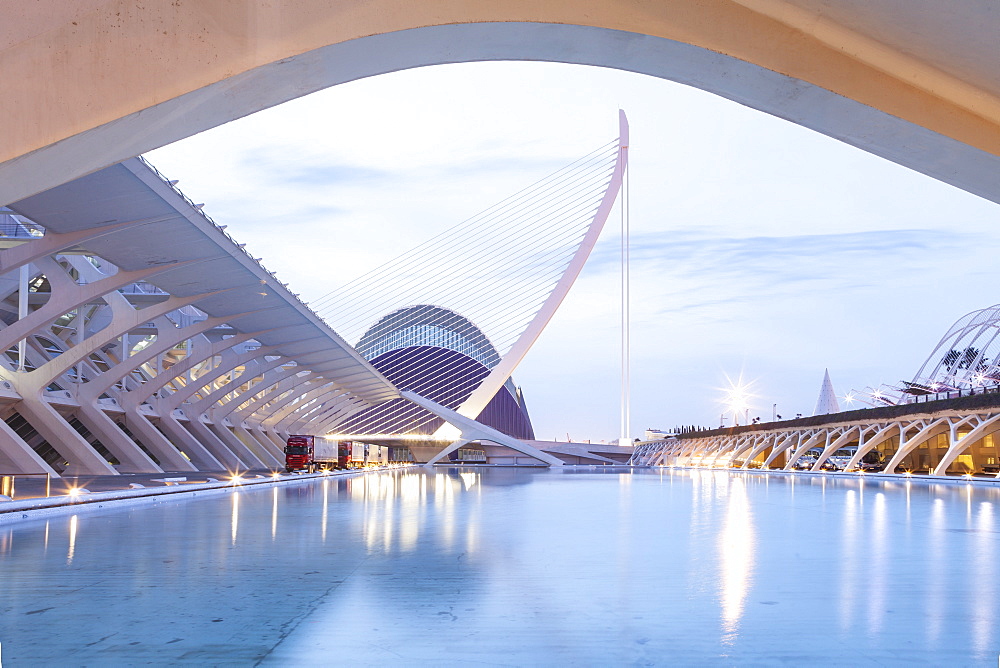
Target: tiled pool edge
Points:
(12, 512)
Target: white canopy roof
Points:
(168, 229)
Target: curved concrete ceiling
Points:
(88, 84)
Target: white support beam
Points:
(472, 430)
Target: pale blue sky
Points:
(759, 246)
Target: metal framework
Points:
(137, 336)
(966, 358)
(968, 355)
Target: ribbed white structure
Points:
(502, 273)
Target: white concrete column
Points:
(197, 449)
(82, 458)
(242, 450)
(169, 454)
(16, 456)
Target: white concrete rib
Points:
(234, 283)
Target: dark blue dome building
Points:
(440, 355)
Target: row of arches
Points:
(950, 444)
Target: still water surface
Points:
(516, 567)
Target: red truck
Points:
(300, 453)
(304, 453)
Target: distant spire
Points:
(827, 402)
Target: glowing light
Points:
(738, 398)
(237, 479)
(849, 398)
(73, 492)
(275, 475)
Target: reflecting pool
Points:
(516, 567)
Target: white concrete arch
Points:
(929, 104)
(907, 444)
(957, 445)
(838, 441)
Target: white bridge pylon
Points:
(500, 373)
(479, 294)
(475, 431)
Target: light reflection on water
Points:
(579, 566)
(850, 562)
(983, 569)
(736, 548)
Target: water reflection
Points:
(849, 558)
(736, 551)
(235, 518)
(72, 540)
(878, 563)
(936, 592)
(324, 521)
(601, 567)
(274, 514)
(982, 575)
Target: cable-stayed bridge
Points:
(138, 336)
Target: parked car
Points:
(806, 461)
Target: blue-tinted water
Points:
(516, 567)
